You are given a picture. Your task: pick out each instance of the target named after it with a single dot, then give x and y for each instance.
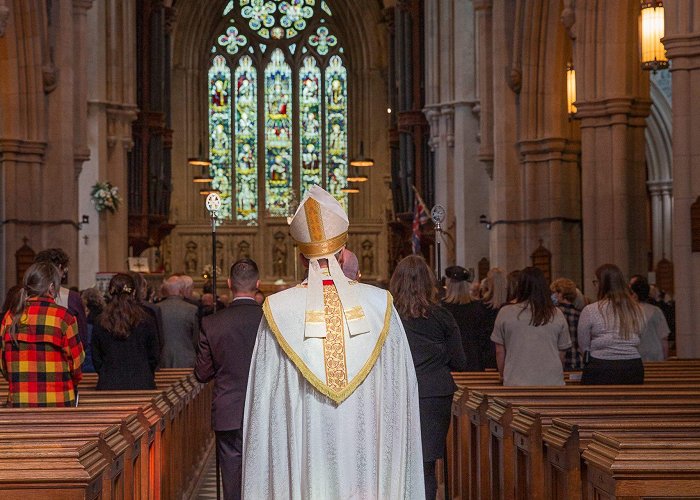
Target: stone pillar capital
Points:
(482, 4)
(614, 110)
(683, 50)
(82, 6)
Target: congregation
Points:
(530, 331)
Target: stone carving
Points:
(568, 18)
(243, 250)
(49, 73)
(4, 18)
(367, 258)
(515, 79)
(220, 255)
(191, 258)
(279, 255)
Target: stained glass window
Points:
(246, 138)
(280, 124)
(220, 130)
(310, 124)
(278, 134)
(336, 126)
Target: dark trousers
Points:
(613, 371)
(229, 448)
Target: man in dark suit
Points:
(225, 350)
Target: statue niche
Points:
(279, 255)
(191, 258)
(367, 258)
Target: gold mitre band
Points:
(325, 247)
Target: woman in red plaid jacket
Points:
(41, 350)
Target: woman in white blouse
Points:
(609, 331)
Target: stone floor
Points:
(207, 486)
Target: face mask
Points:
(555, 301)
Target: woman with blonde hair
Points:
(609, 330)
(436, 347)
(475, 319)
(41, 349)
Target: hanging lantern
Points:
(651, 33)
(570, 88)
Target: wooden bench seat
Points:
(565, 440)
(117, 478)
(632, 468)
(471, 433)
(502, 440)
(61, 470)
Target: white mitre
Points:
(320, 229)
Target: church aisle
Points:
(207, 487)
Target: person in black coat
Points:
(436, 347)
(124, 341)
(225, 350)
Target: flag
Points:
(420, 217)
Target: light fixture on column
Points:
(207, 192)
(570, 88)
(651, 31)
(202, 179)
(357, 178)
(362, 161)
(349, 190)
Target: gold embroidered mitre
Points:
(320, 230)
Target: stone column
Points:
(613, 102)
(682, 43)
(111, 110)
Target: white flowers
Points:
(105, 197)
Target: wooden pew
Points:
(66, 471)
(75, 420)
(631, 468)
(117, 479)
(177, 419)
(474, 432)
(565, 440)
(503, 453)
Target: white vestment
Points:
(299, 442)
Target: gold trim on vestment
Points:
(325, 247)
(336, 396)
(334, 341)
(314, 221)
(315, 317)
(354, 313)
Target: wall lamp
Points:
(484, 221)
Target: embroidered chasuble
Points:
(332, 417)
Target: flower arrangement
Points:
(105, 197)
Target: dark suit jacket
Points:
(436, 347)
(225, 349)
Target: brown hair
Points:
(413, 287)
(614, 291)
(37, 282)
(533, 291)
(123, 311)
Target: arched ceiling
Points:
(359, 23)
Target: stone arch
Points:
(362, 30)
(659, 160)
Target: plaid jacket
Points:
(42, 361)
(574, 357)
